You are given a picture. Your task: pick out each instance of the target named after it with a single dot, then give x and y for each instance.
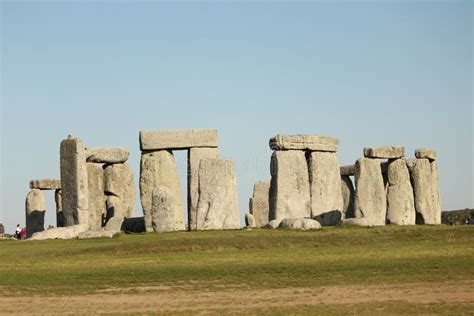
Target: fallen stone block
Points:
(35, 207)
(195, 155)
(304, 142)
(289, 189)
(178, 139)
(45, 184)
(400, 201)
(134, 225)
(325, 184)
(259, 205)
(74, 182)
(427, 153)
(387, 152)
(217, 207)
(159, 168)
(108, 155)
(300, 223)
(348, 196)
(275, 223)
(250, 221)
(69, 232)
(370, 196)
(162, 210)
(97, 234)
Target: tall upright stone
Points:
(195, 155)
(370, 198)
(425, 187)
(259, 205)
(35, 207)
(96, 186)
(400, 201)
(289, 189)
(325, 183)
(118, 182)
(162, 210)
(348, 196)
(58, 198)
(217, 206)
(74, 182)
(159, 168)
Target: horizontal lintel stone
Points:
(108, 155)
(45, 184)
(304, 142)
(387, 152)
(178, 139)
(427, 153)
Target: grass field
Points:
(418, 269)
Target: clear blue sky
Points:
(373, 73)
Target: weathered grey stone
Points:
(300, 223)
(370, 197)
(348, 196)
(35, 207)
(289, 189)
(97, 234)
(425, 188)
(361, 221)
(60, 233)
(116, 211)
(109, 155)
(304, 142)
(348, 170)
(427, 153)
(217, 206)
(163, 209)
(195, 155)
(411, 163)
(400, 201)
(118, 179)
(250, 221)
(74, 182)
(60, 220)
(274, 223)
(178, 139)
(97, 208)
(159, 168)
(45, 184)
(386, 152)
(134, 225)
(325, 184)
(259, 205)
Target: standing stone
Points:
(259, 205)
(118, 182)
(289, 188)
(60, 220)
(35, 207)
(195, 155)
(163, 210)
(159, 168)
(74, 182)
(325, 183)
(425, 188)
(97, 209)
(217, 206)
(370, 198)
(116, 211)
(400, 201)
(348, 196)
(250, 221)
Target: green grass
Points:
(249, 259)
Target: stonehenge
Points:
(95, 195)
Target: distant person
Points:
(18, 231)
(2, 230)
(23, 233)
